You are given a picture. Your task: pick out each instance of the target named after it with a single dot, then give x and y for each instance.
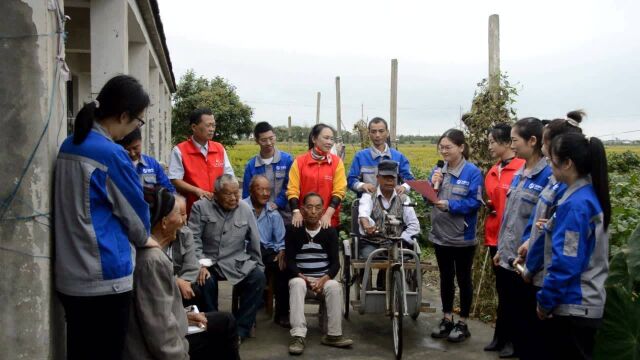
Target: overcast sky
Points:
(564, 55)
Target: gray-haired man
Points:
(228, 244)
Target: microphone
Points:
(517, 266)
(439, 166)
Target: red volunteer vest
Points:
(318, 177)
(199, 171)
(496, 188)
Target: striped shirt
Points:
(312, 260)
(312, 253)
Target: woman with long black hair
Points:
(572, 297)
(453, 231)
(522, 196)
(497, 183)
(100, 213)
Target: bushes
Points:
(619, 337)
(625, 162)
(625, 207)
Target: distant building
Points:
(49, 67)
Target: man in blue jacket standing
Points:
(274, 165)
(363, 172)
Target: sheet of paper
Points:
(194, 330)
(424, 188)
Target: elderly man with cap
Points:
(385, 199)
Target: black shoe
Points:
(507, 351)
(459, 333)
(282, 321)
(495, 345)
(443, 329)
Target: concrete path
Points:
(371, 334)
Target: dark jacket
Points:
(297, 237)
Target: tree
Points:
(489, 107)
(233, 117)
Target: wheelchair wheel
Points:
(397, 312)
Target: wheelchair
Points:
(402, 295)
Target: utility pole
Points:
(494, 53)
(289, 136)
(318, 109)
(394, 102)
(338, 110)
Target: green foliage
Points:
(233, 117)
(623, 162)
(489, 107)
(619, 337)
(625, 207)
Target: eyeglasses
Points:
(445, 148)
(140, 121)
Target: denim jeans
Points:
(206, 295)
(250, 292)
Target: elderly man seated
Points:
(182, 252)
(385, 199)
(271, 227)
(312, 259)
(228, 245)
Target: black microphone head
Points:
(440, 163)
(511, 261)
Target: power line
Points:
(620, 133)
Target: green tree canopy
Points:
(233, 117)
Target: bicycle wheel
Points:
(397, 312)
(346, 283)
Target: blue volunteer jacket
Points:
(152, 174)
(99, 213)
(364, 166)
(544, 209)
(522, 198)
(462, 189)
(578, 265)
(278, 174)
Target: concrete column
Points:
(139, 68)
(109, 41)
(162, 119)
(153, 112)
(33, 99)
(168, 124)
(494, 51)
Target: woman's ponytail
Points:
(121, 94)
(84, 122)
(590, 159)
(600, 177)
